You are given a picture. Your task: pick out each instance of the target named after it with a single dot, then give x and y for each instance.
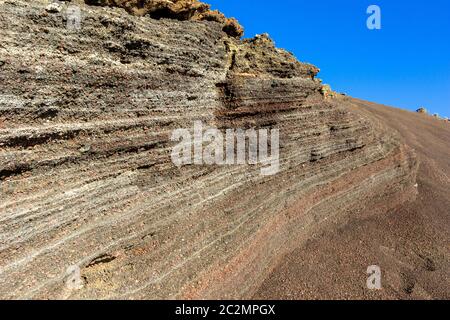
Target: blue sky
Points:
(406, 64)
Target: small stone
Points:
(421, 110)
(85, 148)
(53, 8)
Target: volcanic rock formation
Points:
(85, 169)
(174, 9)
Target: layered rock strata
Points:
(86, 175)
(193, 10)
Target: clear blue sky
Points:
(406, 64)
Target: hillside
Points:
(409, 242)
(88, 184)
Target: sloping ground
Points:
(86, 174)
(410, 243)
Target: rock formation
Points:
(85, 170)
(174, 9)
(422, 110)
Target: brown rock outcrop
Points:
(260, 57)
(422, 110)
(86, 175)
(174, 9)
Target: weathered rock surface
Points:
(409, 242)
(174, 9)
(85, 168)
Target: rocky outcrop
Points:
(259, 57)
(87, 181)
(422, 110)
(174, 9)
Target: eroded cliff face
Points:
(86, 174)
(193, 10)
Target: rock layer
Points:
(86, 175)
(174, 9)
